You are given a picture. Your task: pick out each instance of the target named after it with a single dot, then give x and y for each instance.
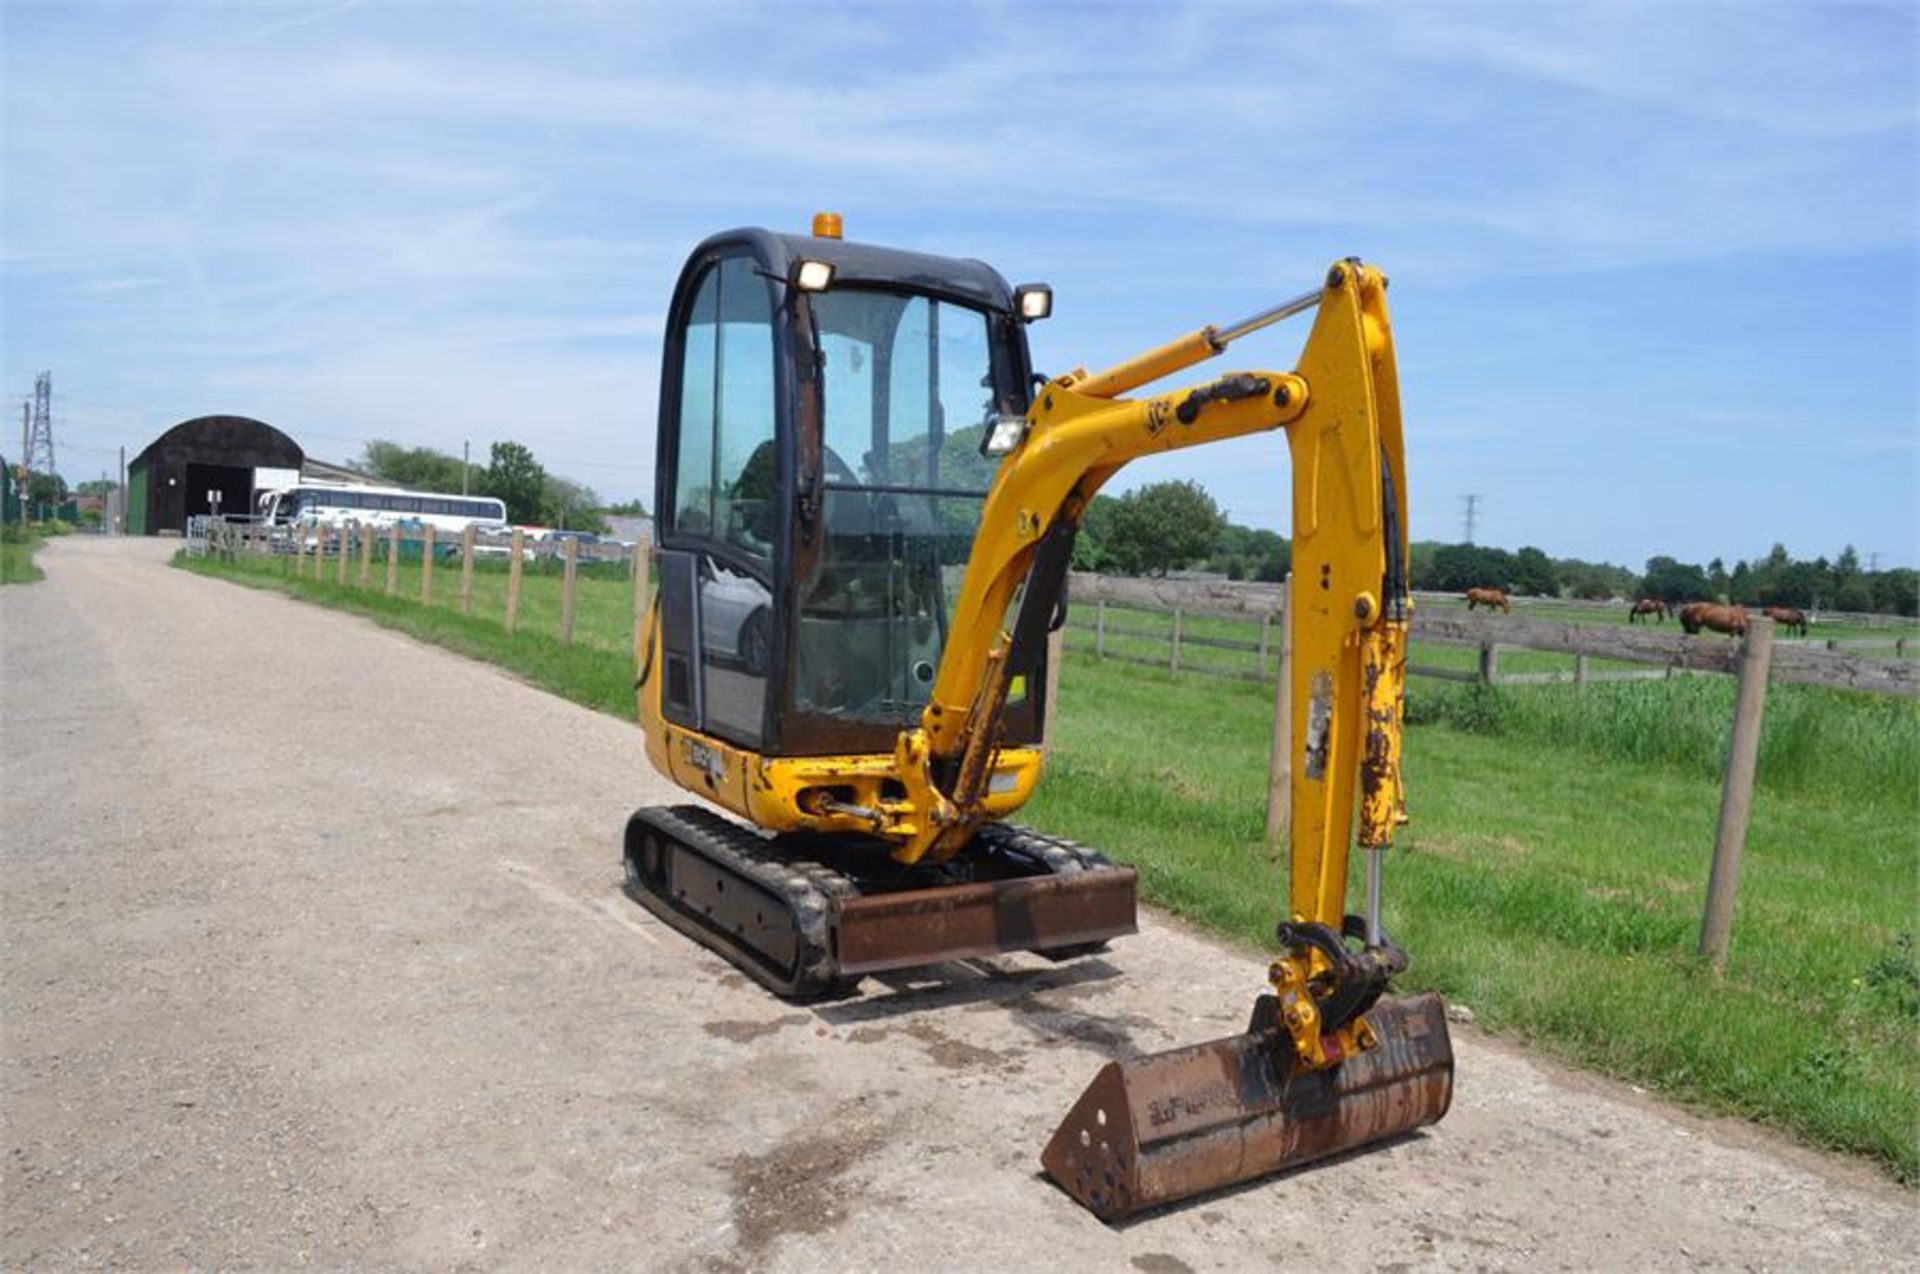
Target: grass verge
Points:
(589, 675)
(1552, 878)
(16, 558)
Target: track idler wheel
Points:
(1158, 1129)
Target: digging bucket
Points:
(1166, 1127)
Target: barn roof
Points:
(226, 434)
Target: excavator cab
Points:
(820, 478)
(826, 410)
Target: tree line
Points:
(1172, 526)
(1780, 579)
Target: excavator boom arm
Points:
(1329, 1061)
(1347, 604)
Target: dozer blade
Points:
(1038, 913)
(1172, 1125)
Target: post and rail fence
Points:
(325, 552)
(1107, 608)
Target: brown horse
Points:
(1489, 598)
(1648, 606)
(1731, 620)
(1789, 618)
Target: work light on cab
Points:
(812, 276)
(1006, 434)
(1035, 301)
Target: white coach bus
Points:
(320, 504)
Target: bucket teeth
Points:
(1158, 1129)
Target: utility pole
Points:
(466, 463)
(1472, 517)
(20, 470)
(120, 516)
(1873, 561)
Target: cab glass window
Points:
(907, 390)
(725, 473)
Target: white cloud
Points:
(122, 283)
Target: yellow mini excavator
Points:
(866, 503)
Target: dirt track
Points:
(312, 950)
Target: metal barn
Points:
(211, 464)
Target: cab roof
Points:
(865, 264)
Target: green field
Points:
(1552, 879)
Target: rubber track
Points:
(1052, 855)
(808, 886)
(805, 886)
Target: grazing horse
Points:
(1648, 606)
(1489, 598)
(1731, 620)
(1789, 618)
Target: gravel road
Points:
(313, 951)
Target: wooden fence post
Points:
(466, 570)
(1489, 663)
(1100, 629)
(347, 534)
(570, 557)
(642, 581)
(513, 577)
(1173, 651)
(426, 567)
(366, 555)
(1266, 631)
(393, 559)
(1580, 670)
(1736, 794)
(1280, 759)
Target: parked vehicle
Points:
(314, 504)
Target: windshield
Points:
(907, 390)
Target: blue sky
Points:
(1654, 265)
